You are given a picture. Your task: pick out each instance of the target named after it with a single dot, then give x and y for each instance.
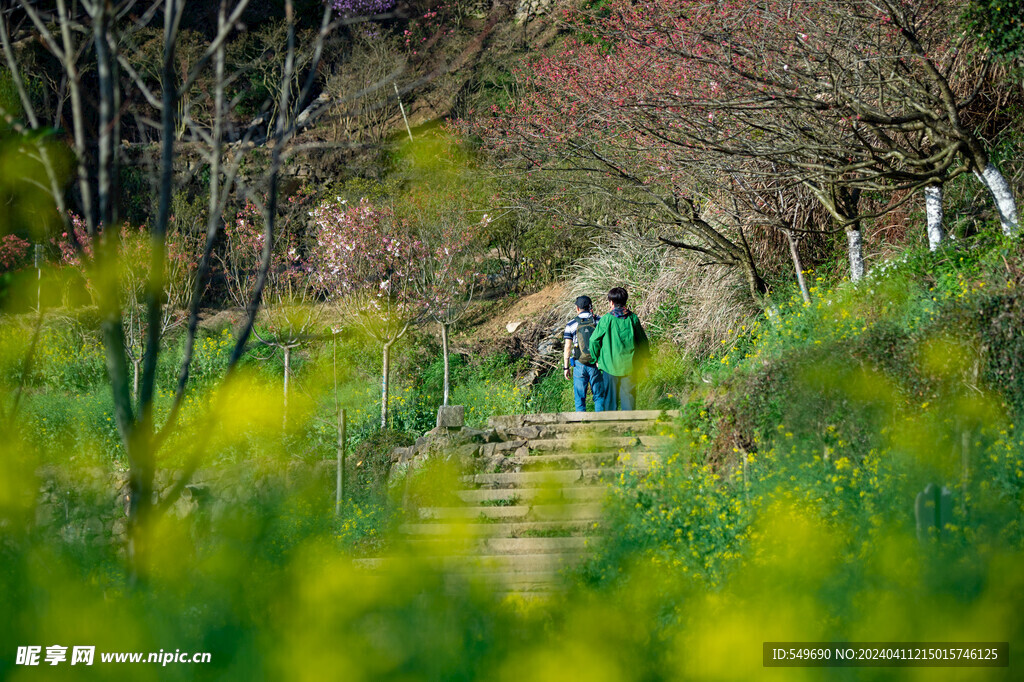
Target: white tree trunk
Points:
(933, 211)
(384, 386)
(287, 374)
(136, 362)
(1002, 194)
(447, 365)
(794, 253)
(855, 245)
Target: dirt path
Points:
(527, 310)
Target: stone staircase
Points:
(531, 504)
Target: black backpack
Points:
(584, 330)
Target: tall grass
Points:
(677, 299)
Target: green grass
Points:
(783, 511)
(811, 435)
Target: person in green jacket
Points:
(621, 347)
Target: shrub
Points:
(69, 358)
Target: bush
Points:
(77, 427)
(69, 358)
(489, 387)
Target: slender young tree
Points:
(448, 279)
(442, 195)
(290, 315)
(370, 261)
(133, 260)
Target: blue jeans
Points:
(582, 376)
(619, 392)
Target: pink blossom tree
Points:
(370, 260)
(132, 257)
(13, 252)
(449, 277)
(289, 315)
(671, 97)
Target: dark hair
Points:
(618, 296)
(584, 303)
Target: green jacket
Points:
(619, 343)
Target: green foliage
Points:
(372, 460)
(24, 183)
(666, 380)
(998, 24)
(77, 427)
(69, 357)
(553, 394)
(549, 252)
(827, 421)
(209, 357)
(9, 102)
(489, 387)
(364, 524)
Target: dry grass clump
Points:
(624, 260)
(714, 301)
(675, 297)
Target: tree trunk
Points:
(758, 287)
(287, 375)
(855, 245)
(106, 167)
(138, 447)
(1002, 194)
(339, 493)
(933, 211)
(794, 253)
(158, 229)
(384, 385)
(842, 204)
(136, 366)
(447, 365)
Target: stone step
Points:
(434, 546)
(525, 479)
(534, 479)
(523, 584)
(538, 545)
(514, 563)
(516, 512)
(516, 420)
(537, 594)
(478, 495)
(520, 512)
(485, 565)
(597, 444)
(585, 460)
(611, 428)
(566, 528)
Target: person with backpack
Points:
(620, 346)
(577, 357)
